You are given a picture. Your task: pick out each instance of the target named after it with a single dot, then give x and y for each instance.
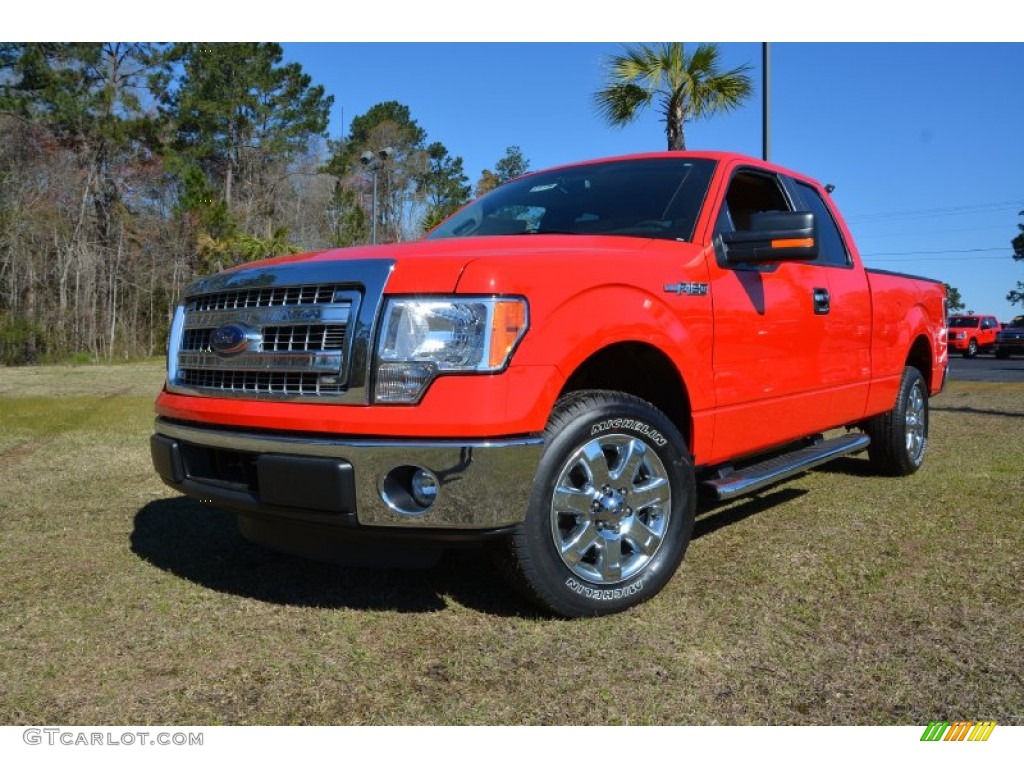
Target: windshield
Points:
(655, 197)
(1017, 322)
(963, 322)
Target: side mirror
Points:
(773, 236)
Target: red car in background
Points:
(971, 334)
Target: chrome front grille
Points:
(296, 331)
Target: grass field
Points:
(835, 598)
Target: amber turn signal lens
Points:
(508, 322)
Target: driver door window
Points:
(749, 193)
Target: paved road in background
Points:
(986, 368)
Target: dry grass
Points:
(834, 598)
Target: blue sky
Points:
(924, 141)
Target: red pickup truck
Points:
(554, 370)
(971, 334)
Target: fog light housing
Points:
(409, 490)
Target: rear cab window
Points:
(832, 250)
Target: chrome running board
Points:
(756, 476)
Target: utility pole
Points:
(765, 99)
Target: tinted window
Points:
(831, 248)
(963, 322)
(749, 193)
(655, 198)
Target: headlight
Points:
(961, 336)
(422, 338)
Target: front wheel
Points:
(899, 438)
(611, 510)
(972, 349)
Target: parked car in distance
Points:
(1010, 339)
(971, 334)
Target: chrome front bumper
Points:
(483, 484)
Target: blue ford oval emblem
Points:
(229, 339)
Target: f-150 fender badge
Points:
(690, 289)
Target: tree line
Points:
(129, 169)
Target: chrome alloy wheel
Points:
(610, 508)
(915, 420)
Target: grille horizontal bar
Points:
(278, 296)
(262, 382)
(278, 338)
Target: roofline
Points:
(716, 155)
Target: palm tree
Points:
(687, 86)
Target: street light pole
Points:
(373, 162)
(373, 209)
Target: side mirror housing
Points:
(773, 236)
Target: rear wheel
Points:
(612, 507)
(899, 438)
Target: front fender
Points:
(620, 313)
(584, 301)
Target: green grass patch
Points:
(835, 598)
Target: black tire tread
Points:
(886, 451)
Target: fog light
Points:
(409, 490)
(424, 487)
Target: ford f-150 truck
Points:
(971, 334)
(554, 369)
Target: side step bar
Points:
(757, 476)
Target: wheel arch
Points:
(614, 367)
(920, 357)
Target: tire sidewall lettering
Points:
(614, 593)
(634, 425)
